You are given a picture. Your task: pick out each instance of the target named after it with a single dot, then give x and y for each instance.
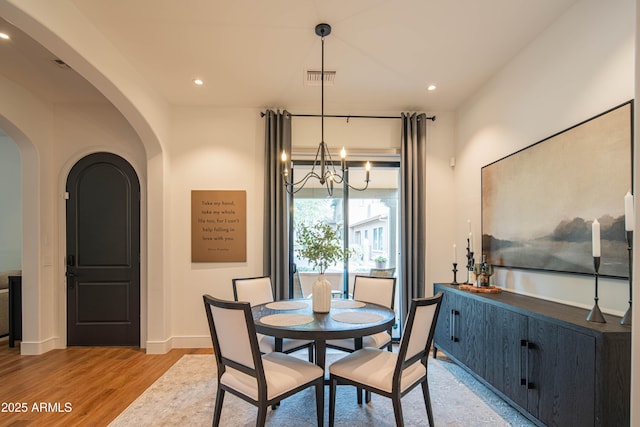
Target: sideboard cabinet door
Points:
(460, 330)
(561, 377)
(506, 365)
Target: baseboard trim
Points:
(34, 348)
(159, 347)
(162, 347)
(203, 341)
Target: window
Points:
(378, 244)
(369, 221)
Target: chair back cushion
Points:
(420, 331)
(419, 328)
(233, 335)
(376, 290)
(255, 290)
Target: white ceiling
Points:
(254, 53)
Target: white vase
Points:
(321, 295)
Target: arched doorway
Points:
(103, 252)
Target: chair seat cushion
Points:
(267, 344)
(378, 340)
(282, 372)
(374, 367)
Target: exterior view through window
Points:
(369, 224)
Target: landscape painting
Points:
(539, 203)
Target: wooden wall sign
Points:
(218, 226)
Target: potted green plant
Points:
(381, 261)
(320, 244)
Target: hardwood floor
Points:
(77, 386)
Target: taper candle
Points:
(628, 212)
(454, 252)
(595, 237)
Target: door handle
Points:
(452, 325)
(71, 275)
(530, 346)
(523, 373)
(454, 336)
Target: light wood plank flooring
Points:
(77, 386)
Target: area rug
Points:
(185, 395)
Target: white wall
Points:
(579, 67)
(441, 202)
(210, 149)
(11, 206)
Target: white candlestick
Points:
(628, 212)
(454, 253)
(470, 242)
(595, 237)
(469, 223)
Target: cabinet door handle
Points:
(454, 338)
(452, 325)
(530, 346)
(523, 374)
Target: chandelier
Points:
(323, 169)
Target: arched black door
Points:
(103, 252)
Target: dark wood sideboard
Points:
(542, 357)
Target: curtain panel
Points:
(276, 203)
(413, 205)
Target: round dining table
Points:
(295, 318)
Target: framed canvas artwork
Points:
(539, 203)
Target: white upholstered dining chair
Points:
(392, 374)
(262, 380)
(256, 291)
(376, 290)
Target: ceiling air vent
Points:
(314, 77)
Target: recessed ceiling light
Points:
(4, 36)
(431, 87)
(198, 82)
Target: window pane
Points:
(374, 215)
(312, 205)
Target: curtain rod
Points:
(341, 116)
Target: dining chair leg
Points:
(262, 415)
(320, 402)
(332, 401)
(218, 409)
(427, 401)
(397, 410)
(359, 394)
(367, 396)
